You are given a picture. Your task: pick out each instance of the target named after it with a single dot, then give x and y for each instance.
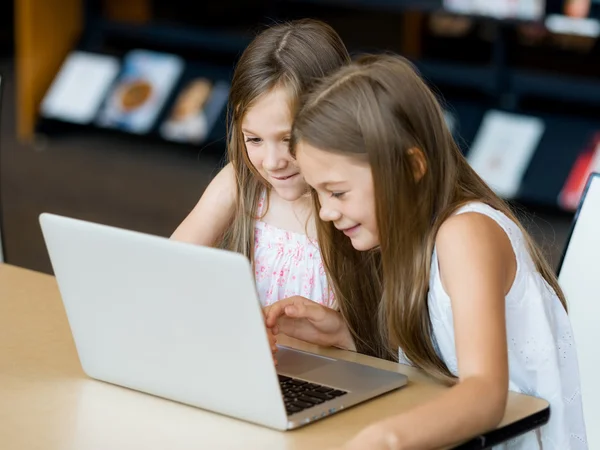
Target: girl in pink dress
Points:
(258, 205)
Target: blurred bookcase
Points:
(491, 66)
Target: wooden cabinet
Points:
(46, 30)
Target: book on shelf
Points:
(587, 162)
(80, 87)
(503, 148)
(141, 90)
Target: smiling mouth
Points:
(284, 178)
(351, 230)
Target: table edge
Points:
(509, 431)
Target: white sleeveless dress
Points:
(541, 350)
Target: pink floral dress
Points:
(287, 264)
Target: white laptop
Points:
(184, 322)
(579, 278)
(1, 251)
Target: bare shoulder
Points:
(472, 229)
(226, 173)
(224, 183)
(473, 244)
(213, 212)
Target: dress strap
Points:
(261, 203)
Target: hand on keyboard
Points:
(301, 318)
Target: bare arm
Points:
(207, 222)
(477, 266)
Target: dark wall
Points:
(6, 27)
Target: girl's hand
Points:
(272, 341)
(303, 319)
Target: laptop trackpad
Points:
(296, 362)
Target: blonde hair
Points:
(291, 55)
(378, 109)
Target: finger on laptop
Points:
(294, 308)
(305, 309)
(278, 309)
(274, 311)
(272, 340)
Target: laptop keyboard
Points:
(299, 394)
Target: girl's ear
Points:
(419, 163)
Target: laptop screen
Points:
(584, 230)
(579, 278)
(1, 221)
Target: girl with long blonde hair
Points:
(455, 285)
(258, 205)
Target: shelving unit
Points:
(469, 87)
(555, 87)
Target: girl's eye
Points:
(337, 194)
(253, 140)
(286, 140)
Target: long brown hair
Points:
(291, 55)
(378, 109)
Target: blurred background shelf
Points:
(474, 64)
(385, 5)
(168, 35)
(476, 77)
(585, 90)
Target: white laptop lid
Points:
(1, 221)
(579, 277)
(156, 315)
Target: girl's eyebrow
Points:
(283, 131)
(329, 184)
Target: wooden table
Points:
(46, 402)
